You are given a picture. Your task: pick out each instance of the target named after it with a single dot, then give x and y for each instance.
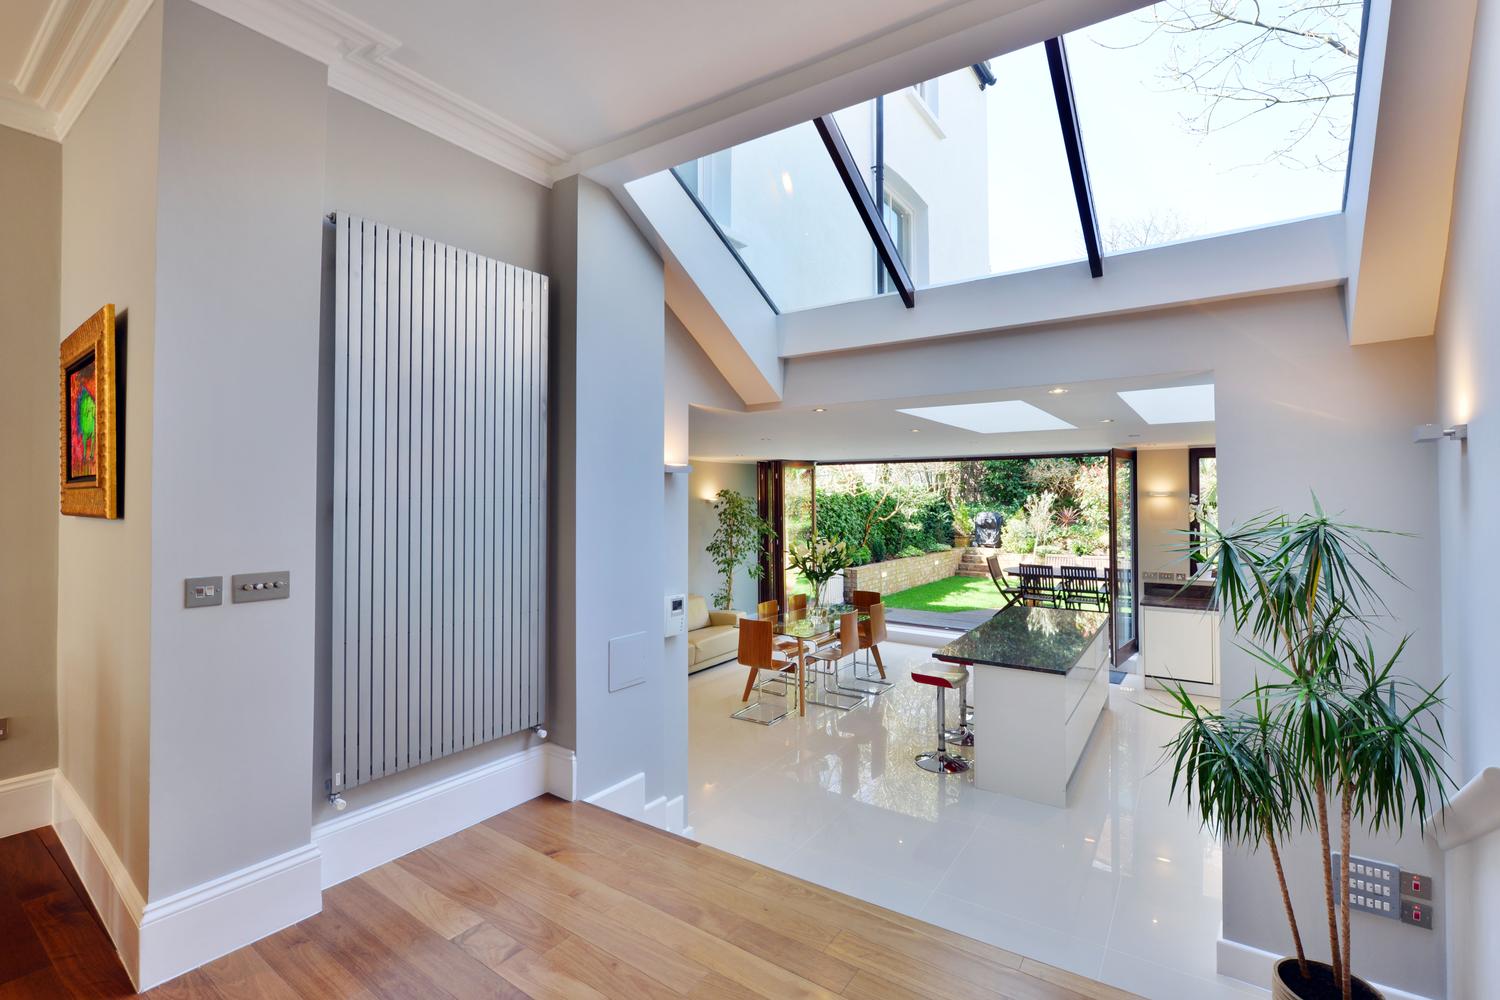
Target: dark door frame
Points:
(1121, 651)
(1195, 455)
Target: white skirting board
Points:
(160, 940)
(628, 798)
(1252, 965)
(26, 802)
(365, 838)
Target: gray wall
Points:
(706, 480)
(1298, 410)
(1469, 486)
(233, 472)
(103, 630)
(609, 495)
(30, 258)
(381, 168)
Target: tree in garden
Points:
(736, 540)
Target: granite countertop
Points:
(1193, 597)
(1047, 640)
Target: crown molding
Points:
(362, 63)
(75, 44)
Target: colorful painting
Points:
(83, 422)
(89, 461)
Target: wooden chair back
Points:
(862, 599)
(873, 630)
(755, 643)
(848, 632)
(997, 575)
(1036, 581)
(796, 602)
(767, 609)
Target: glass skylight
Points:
(1183, 404)
(1196, 118)
(1007, 416)
(1196, 121)
(779, 202)
(975, 180)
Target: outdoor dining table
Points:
(811, 627)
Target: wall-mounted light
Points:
(1436, 432)
(1159, 493)
(677, 470)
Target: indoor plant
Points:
(736, 540)
(1333, 736)
(820, 560)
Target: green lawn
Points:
(957, 593)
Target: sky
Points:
(1144, 161)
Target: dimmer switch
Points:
(274, 586)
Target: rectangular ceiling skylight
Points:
(1008, 416)
(1183, 404)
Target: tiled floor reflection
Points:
(1121, 886)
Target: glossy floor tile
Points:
(1121, 886)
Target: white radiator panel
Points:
(439, 494)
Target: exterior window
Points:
(927, 90)
(710, 179)
(898, 223)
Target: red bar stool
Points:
(940, 761)
(962, 735)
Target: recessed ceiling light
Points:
(1180, 404)
(1056, 390)
(820, 409)
(916, 430)
(1001, 417)
(1107, 420)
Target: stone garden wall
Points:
(902, 574)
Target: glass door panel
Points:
(798, 482)
(1122, 554)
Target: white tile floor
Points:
(1121, 886)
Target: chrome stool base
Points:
(961, 736)
(943, 762)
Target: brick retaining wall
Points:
(902, 574)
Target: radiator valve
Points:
(541, 732)
(338, 802)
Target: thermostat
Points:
(676, 615)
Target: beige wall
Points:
(30, 255)
(104, 567)
(706, 480)
(1468, 342)
(1162, 519)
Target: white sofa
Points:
(713, 636)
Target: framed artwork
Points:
(89, 472)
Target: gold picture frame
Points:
(88, 472)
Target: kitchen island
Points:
(1041, 681)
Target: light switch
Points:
(273, 586)
(202, 591)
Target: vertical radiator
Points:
(439, 501)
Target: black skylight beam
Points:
(1067, 117)
(728, 243)
(865, 205)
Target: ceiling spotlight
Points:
(820, 409)
(916, 430)
(1107, 420)
(1056, 390)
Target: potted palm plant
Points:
(1330, 737)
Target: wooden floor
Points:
(551, 899)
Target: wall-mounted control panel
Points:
(274, 586)
(202, 591)
(674, 621)
(1383, 889)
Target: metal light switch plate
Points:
(247, 587)
(1416, 885)
(1373, 886)
(1417, 912)
(202, 591)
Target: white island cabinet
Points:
(1041, 682)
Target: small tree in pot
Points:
(1334, 727)
(736, 540)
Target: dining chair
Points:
(770, 610)
(833, 695)
(872, 633)
(1081, 585)
(1036, 583)
(846, 643)
(757, 652)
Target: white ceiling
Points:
(52, 55)
(878, 430)
(581, 73)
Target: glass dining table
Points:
(811, 627)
